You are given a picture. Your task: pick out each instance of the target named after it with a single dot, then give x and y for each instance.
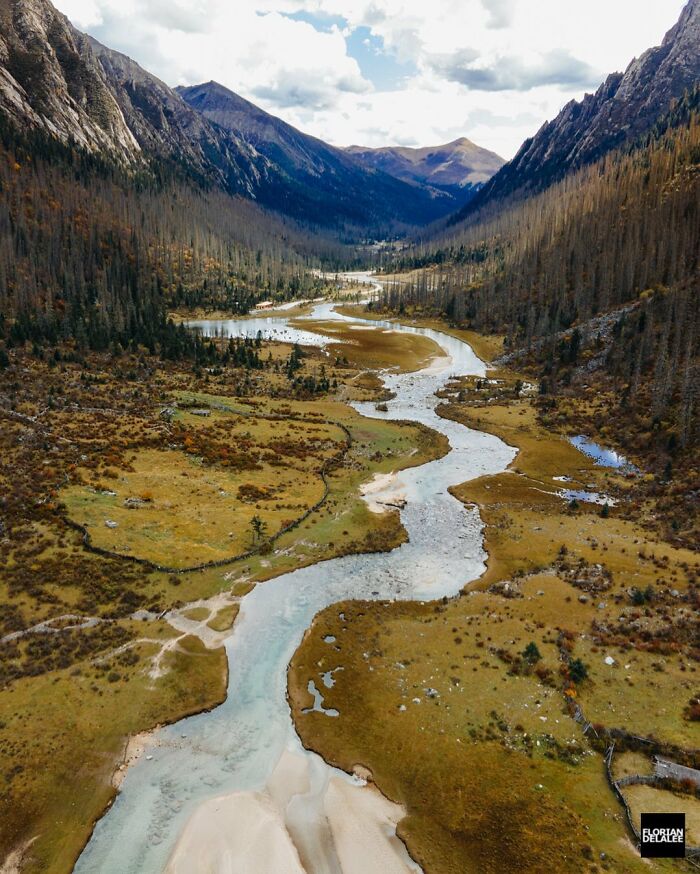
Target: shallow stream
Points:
(238, 745)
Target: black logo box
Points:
(663, 836)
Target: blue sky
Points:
(378, 63)
(386, 72)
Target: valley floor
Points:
(121, 475)
(489, 716)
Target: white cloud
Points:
(500, 11)
(513, 73)
(492, 70)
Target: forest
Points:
(593, 279)
(95, 253)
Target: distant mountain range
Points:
(319, 175)
(625, 107)
(56, 79)
(53, 77)
(460, 168)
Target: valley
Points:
(349, 486)
(444, 700)
(252, 728)
(119, 456)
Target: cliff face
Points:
(625, 106)
(54, 78)
(50, 79)
(167, 127)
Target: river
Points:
(237, 746)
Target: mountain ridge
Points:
(625, 106)
(56, 79)
(459, 164)
(323, 170)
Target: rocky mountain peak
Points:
(460, 164)
(50, 79)
(624, 107)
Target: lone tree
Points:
(531, 653)
(259, 528)
(578, 671)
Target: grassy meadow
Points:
(179, 460)
(462, 721)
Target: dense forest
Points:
(92, 252)
(598, 272)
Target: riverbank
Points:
(487, 347)
(477, 718)
(250, 732)
(72, 696)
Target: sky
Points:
(388, 72)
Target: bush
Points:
(578, 671)
(531, 653)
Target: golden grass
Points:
(486, 347)
(647, 799)
(195, 514)
(478, 766)
(493, 772)
(224, 619)
(630, 764)
(527, 523)
(199, 512)
(197, 614)
(377, 349)
(68, 728)
(643, 692)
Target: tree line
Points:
(620, 237)
(96, 254)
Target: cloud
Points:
(382, 72)
(303, 90)
(512, 73)
(500, 12)
(183, 15)
(83, 13)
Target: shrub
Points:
(531, 653)
(578, 671)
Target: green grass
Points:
(224, 619)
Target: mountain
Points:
(460, 167)
(319, 176)
(167, 128)
(51, 80)
(625, 106)
(55, 79)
